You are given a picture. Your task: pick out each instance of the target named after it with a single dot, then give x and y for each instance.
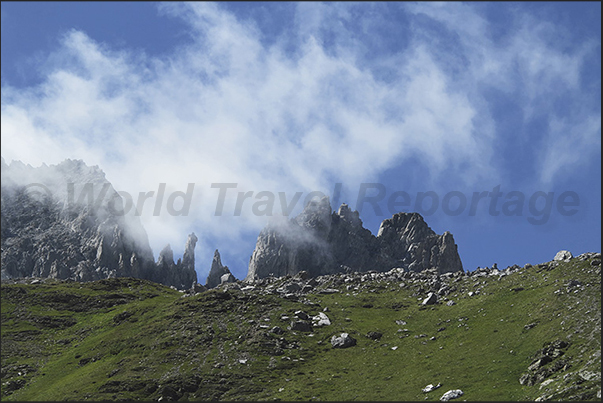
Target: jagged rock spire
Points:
(321, 242)
(218, 273)
(182, 274)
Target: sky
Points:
(484, 117)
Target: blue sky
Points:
(454, 99)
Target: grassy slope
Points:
(132, 339)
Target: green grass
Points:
(130, 339)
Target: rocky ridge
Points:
(320, 242)
(46, 232)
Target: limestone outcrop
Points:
(322, 242)
(66, 221)
(218, 273)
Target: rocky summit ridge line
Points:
(321, 242)
(45, 233)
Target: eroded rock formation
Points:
(218, 274)
(66, 221)
(322, 242)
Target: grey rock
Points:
(307, 288)
(451, 394)
(374, 335)
(329, 291)
(292, 287)
(301, 326)
(301, 315)
(218, 273)
(319, 242)
(431, 388)
(431, 299)
(344, 340)
(66, 221)
(573, 283)
(409, 241)
(539, 363)
(197, 288)
(227, 278)
(563, 255)
(181, 274)
(277, 330)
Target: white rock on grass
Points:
(451, 394)
(431, 299)
(431, 388)
(321, 319)
(563, 255)
(343, 341)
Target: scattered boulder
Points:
(432, 298)
(451, 394)
(344, 340)
(197, 288)
(374, 335)
(563, 255)
(277, 330)
(329, 291)
(321, 319)
(301, 315)
(301, 326)
(430, 388)
(545, 363)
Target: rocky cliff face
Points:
(320, 242)
(46, 232)
(409, 242)
(181, 274)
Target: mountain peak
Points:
(326, 243)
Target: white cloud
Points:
(534, 63)
(227, 108)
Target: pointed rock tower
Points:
(321, 242)
(182, 274)
(218, 273)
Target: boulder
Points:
(344, 340)
(431, 388)
(301, 326)
(301, 315)
(451, 394)
(432, 298)
(374, 335)
(563, 255)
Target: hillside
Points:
(132, 339)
